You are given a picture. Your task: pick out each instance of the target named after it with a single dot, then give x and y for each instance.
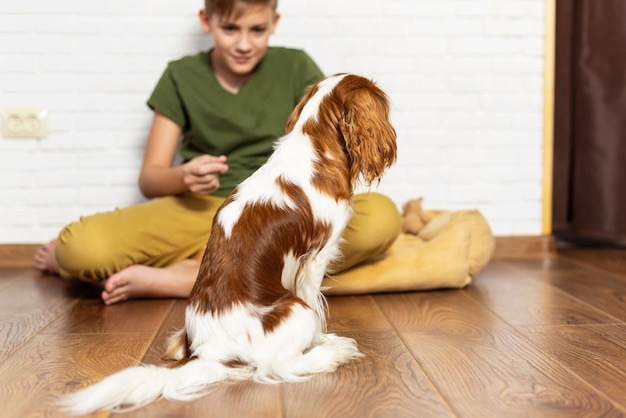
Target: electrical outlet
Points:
(25, 122)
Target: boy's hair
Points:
(229, 8)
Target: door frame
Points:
(548, 116)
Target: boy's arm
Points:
(159, 178)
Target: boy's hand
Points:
(201, 174)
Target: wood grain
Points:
(27, 304)
(595, 353)
(242, 399)
(355, 312)
(482, 366)
(8, 276)
(611, 260)
(518, 300)
(49, 366)
(92, 316)
(174, 321)
(389, 382)
(603, 291)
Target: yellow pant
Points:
(164, 231)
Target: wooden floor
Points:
(530, 338)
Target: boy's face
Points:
(241, 42)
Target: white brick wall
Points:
(465, 78)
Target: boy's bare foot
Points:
(138, 281)
(45, 258)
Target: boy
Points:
(229, 105)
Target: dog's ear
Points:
(368, 134)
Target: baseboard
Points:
(17, 255)
(526, 246)
(531, 246)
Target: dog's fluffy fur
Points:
(256, 310)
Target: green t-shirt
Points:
(242, 126)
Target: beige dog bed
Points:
(449, 252)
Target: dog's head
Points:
(352, 111)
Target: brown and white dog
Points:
(256, 310)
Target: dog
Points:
(256, 309)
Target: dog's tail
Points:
(135, 387)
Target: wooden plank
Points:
(595, 353)
(175, 320)
(602, 291)
(519, 300)
(612, 260)
(29, 304)
(93, 316)
(355, 312)
(481, 365)
(242, 399)
(37, 375)
(385, 383)
(8, 276)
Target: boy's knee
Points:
(378, 219)
(374, 226)
(82, 252)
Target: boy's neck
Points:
(229, 81)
